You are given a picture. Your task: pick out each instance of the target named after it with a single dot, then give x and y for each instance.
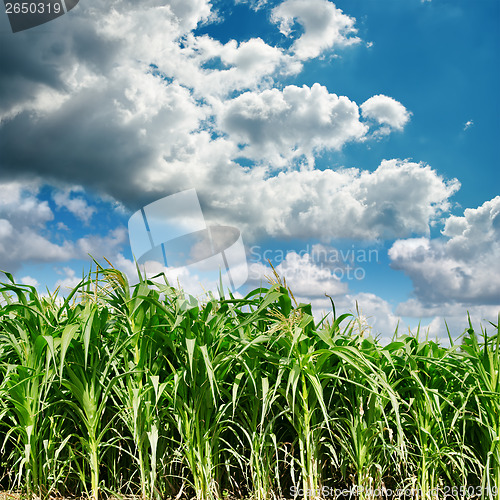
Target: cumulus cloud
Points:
(102, 134)
(278, 126)
(20, 206)
(26, 235)
(309, 279)
(314, 282)
(459, 268)
(387, 112)
(24, 244)
(213, 69)
(324, 26)
(106, 38)
(399, 197)
(306, 277)
(119, 98)
(78, 206)
(449, 319)
(99, 246)
(22, 220)
(69, 279)
(28, 280)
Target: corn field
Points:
(120, 390)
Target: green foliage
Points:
(139, 391)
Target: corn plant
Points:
(483, 361)
(28, 371)
(137, 390)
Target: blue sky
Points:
(360, 131)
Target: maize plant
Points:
(139, 391)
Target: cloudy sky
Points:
(354, 144)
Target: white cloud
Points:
(101, 246)
(303, 275)
(278, 126)
(254, 4)
(25, 236)
(237, 66)
(69, 281)
(386, 111)
(324, 26)
(25, 244)
(437, 320)
(200, 63)
(253, 56)
(190, 13)
(22, 220)
(20, 205)
(398, 198)
(78, 206)
(28, 280)
(312, 282)
(462, 268)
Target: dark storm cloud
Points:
(69, 109)
(80, 143)
(25, 65)
(40, 56)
